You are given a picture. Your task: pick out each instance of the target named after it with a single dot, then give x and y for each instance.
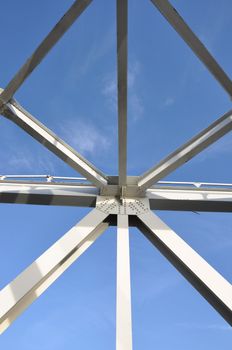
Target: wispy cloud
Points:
(84, 137)
(205, 327)
(135, 103)
(79, 68)
(169, 101)
(109, 90)
(25, 161)
(221, 147)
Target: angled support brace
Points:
(122, 89)
(123, 314)
(181, 27)
(186, 152)
(32, 282)
(47, 138)
(42, 50)
(209, 283)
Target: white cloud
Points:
(219, 148)
(25, 161)
(135, 103)
(169, 101)
(110, 91)
(84, 137)
(205, 327)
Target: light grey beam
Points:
(209, 283)
(48, 193)
(122, 89)
(190, 199)
(123, 314)
(47, 138)
(52, 38)
(183, 154)
(69, 194)
(177, 22)
(33, 281)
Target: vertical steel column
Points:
(123, 312)
(122, 9)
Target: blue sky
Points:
(171, 97)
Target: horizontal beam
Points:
(48, 193)
(186, 152)
(186, 199)
(181, 27)
(160, 198)
(33, 281)
(209, 283)
(47, 138)
(42, 50)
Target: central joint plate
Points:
(126, 206)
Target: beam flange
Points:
(123, 313)
(122, 89)
(184, 153)
(209, 283)
(47, 44)
(48, 193)
(47, 138)
(181, 27)
(190, 199)
(33, 281)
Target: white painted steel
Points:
(190, 199)
(33, 281)
(48, 193)
(47, 44)
(194, 194)
(215, 288)
(115, 196)
(181, 27)
(123, 314)
(122, 89)
(51, 141)
(160, 198)
(183, 154)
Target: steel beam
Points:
(209, 283)
(52, 38)
(32, 282)
(180, 26)
(48, 193)
(184, 153)
(123, 313)
(47, 138)
(83, 195)
(190, 199)
(122, 89)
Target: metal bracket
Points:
(130, 206)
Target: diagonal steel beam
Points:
(177, 22)
(52, 38)
(37, 130)
(183, 154)
(209, 283)
(123, 314)
(33, 281)
(122, 8)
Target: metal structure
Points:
(116, 200)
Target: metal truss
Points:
(120, 200)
